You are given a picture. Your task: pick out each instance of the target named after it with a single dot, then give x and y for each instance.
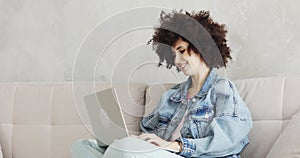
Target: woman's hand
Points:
(154, 139)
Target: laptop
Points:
(106, 116)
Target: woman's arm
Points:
(149, 123)
(227, 133)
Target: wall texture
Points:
(51, 40)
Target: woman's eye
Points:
(182, 51)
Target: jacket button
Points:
(206, 115)
(193, 100)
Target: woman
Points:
(204, 116)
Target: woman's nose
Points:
(177, 57)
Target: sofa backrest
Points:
(271, 100)
(42, 119)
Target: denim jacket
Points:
(217, 120)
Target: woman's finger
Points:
(145, 136)
(153, 141)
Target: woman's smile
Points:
(182, 66)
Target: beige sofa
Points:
(41, 120)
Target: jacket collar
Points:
(181, 92)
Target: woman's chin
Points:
(186, 73)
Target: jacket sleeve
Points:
(228, 129)
(149, 123)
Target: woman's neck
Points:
(198, 81)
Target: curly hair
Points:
(205, 37)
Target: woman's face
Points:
(188, 64)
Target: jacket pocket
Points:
(200, 119)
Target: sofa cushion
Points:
(153, 95)
(288, 144)
(264, 98)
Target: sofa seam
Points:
(51, 120)
(282, 101)
(13, 120)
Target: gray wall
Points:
(51, 40)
